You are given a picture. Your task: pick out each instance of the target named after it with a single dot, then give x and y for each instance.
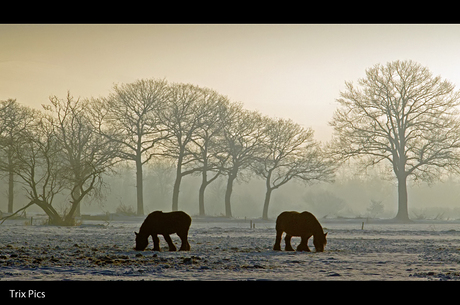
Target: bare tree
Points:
(129, 118)
(84, 153)
(289, 152)
(401, 114)
(182, 115)
(15, 119)
(40, 168)
(243, 135)
(207, 141)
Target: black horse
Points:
(164, 223)
(299, 224)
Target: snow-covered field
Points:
(230, 250)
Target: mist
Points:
(155, 111)
(350, 196)
(347, 197)
(288, 71)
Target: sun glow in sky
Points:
(282, 70)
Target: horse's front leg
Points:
(277, 246)
(156, 242)
(303, 246)
(185, 246)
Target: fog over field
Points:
(103, 124)
(289, 71)
(350, 197)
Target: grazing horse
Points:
(164, 224)
(299, 224)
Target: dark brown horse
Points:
(164, 223)
(299, 224)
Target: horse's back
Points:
(295, 223)
(179, 217)
(284, 218)
(169, 222)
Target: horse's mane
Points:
(144, 226)
(147, 220)
(318, 232)
(317, 226)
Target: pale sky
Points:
(282, 70)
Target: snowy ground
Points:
(230, 250)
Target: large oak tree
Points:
(400, 113)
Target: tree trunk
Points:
(204, 184)
(75, 208)
(139, 187)
(10, 191)
(69, 219)
(268, 194)
(10, 182)
(175, 195)
(54, 218)
(403, 215)
(266, 203)
(228, 194)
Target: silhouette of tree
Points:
(129, 117)
(63, 151)
(182, 115)
(40, 166)
(243, 134)
(207, 142)
(289, 152)
(15, 119)
(401, 114)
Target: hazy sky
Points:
(282, 70)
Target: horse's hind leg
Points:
(277, 246)
(287, 240)
(170, 243)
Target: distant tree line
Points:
(399, 113)
(70, 143)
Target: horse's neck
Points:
(318, 231)
(143, 229)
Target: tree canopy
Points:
(402, 114)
